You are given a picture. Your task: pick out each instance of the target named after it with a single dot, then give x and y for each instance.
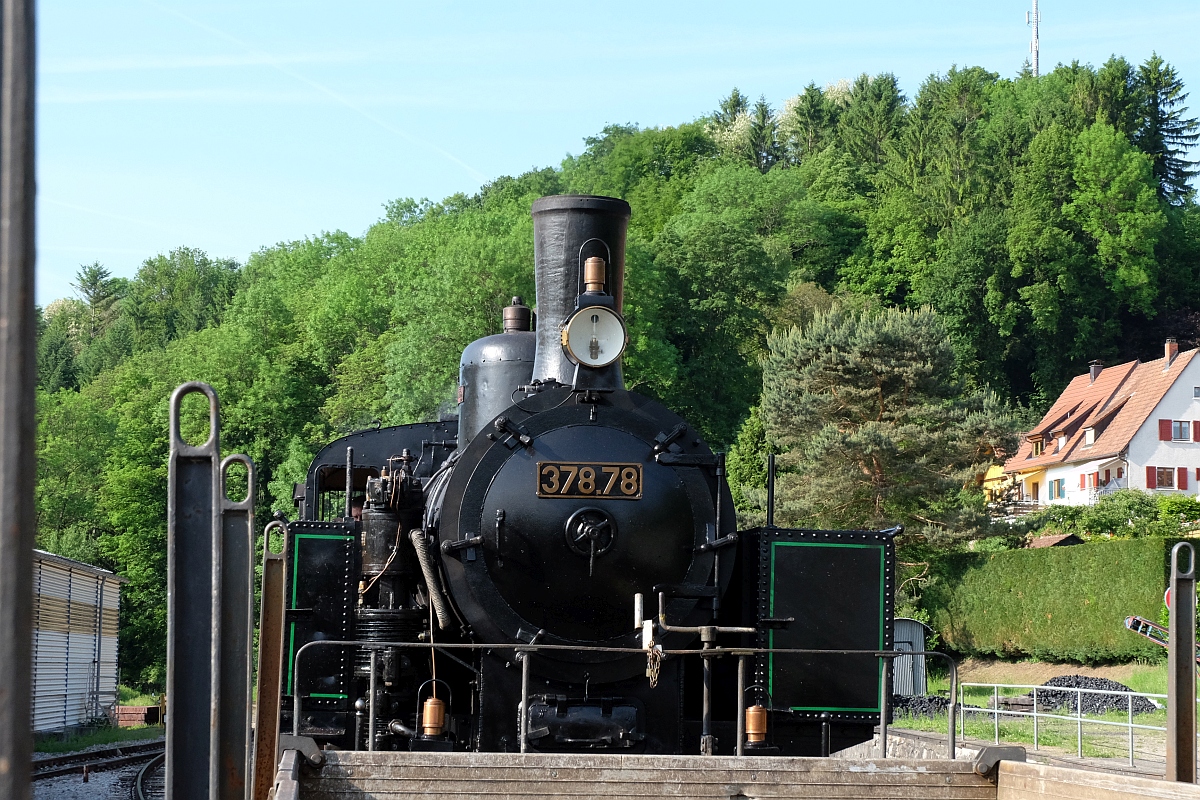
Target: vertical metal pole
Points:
(523, 723)
(706, 738)
(18, 376)
(236, 633)
(996, 710)
(1078, 723)
(193, 605)
(371, 703)
(1181, 667)
(953, 695)
(884, 700)
(1130, 698)
(741, 705)
(1035, 722)
(270, 664)
(349, 482)
(770, 490)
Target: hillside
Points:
(1048, 221)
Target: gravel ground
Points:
(100, 786)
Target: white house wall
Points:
(1145, 449)
(1070, 474)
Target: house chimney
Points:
(1171, 349)
(1094, 368)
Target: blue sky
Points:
(230, 126)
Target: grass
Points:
(132, 697)
(104, 735)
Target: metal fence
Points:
(1055, 694)
(740, 653)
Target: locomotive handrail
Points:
(740, 652)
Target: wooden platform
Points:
(498, 776)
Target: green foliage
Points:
(1055, 603)
(1027, 226)
(1123, 514)
(875, 429)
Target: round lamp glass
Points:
(594, 336)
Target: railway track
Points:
(96, 760)
(150, 783)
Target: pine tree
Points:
(100, 291)
(808, 123)
(872, 117)
(731, 108)
(1163, 130)
(874, 426)
(764, 136)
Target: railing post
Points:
(953, 696)
(996, 710)
(1181, 667)
(523, 723)
(1079, 723)
(741, 705)
(371, 702)
(270, 663)
(884, 700)
(1035, 721)
(1130, 729)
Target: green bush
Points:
(1124, 514)
(1057, 603)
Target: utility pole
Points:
(1032, 20)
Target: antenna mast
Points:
(1032, 20)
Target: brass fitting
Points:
(433, 717)
(593, 274)
(756, 724)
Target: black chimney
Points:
(567, 231)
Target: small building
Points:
(75, 608)
(908, 672)
(1134, 425)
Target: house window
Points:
(1196, 391)
(1058, 489)
(1033, 490)
(1037, 448)
(1062, 442)
(1181, 431)
(1166, 478)
(1089, 437)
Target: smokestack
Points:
(1172, 349)
(1094, 369)
(571, 233)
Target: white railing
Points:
(1057, 693)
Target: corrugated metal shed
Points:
(908, 672)
(75, 609)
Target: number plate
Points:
(593, 479)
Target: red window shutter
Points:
(1107, 475)
(1120, 473)
(1196, 430)
(1151, 478)
(1164, 430)
(1096, 480)
(1181, 478)
(1198, 473)
(1082, 481)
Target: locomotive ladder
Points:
(1152, 631)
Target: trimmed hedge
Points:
(1057, 603)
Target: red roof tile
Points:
(1117, 404)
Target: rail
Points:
(1056, 693)
(741, 653)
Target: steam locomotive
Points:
(541, 515)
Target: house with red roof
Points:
(1132, 425)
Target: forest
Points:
(972, 247)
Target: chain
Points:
(653, 663)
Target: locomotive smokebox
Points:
(568, 230)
